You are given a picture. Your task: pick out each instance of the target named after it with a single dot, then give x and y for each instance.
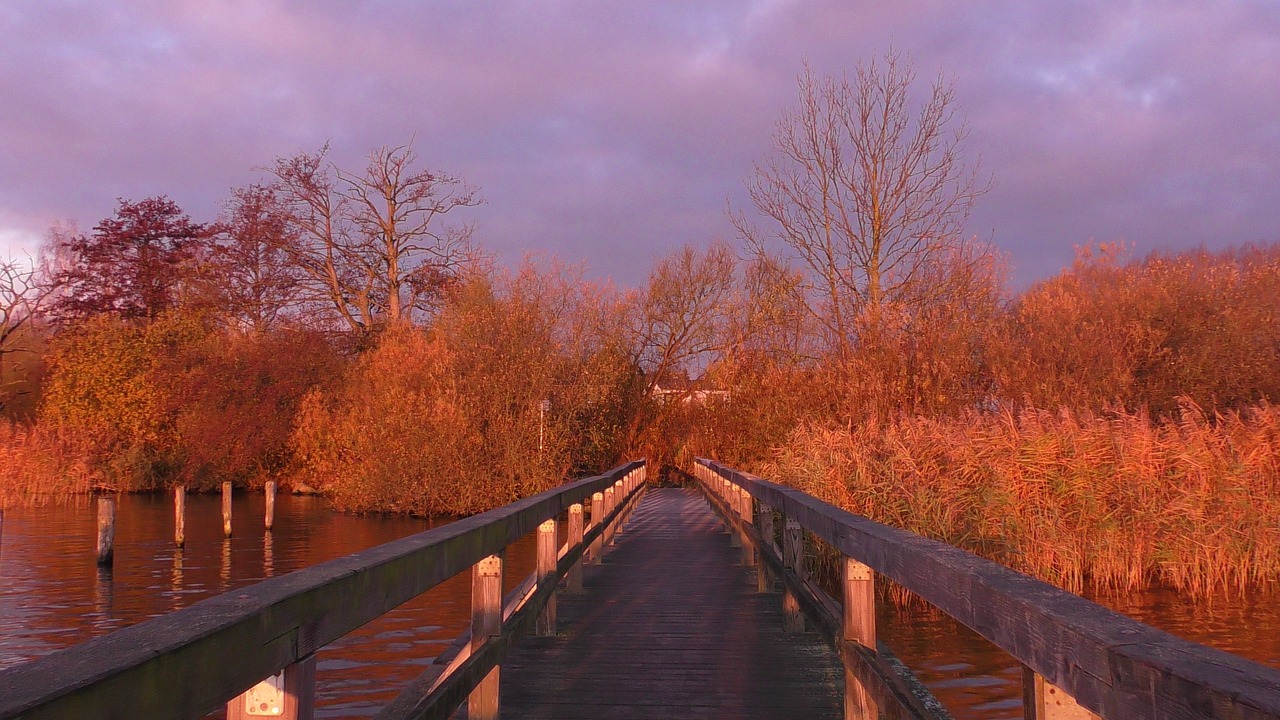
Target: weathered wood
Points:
(547, 549)
(597, 516)
(747, 513)
(859, 611)
(179, 516)
(1112, 665)
(293, 687)
(211, 651)
(269, 518)
(106, 531)
(226, 509)
(793, 560)
(574, 581)
(486, 621)
(1043, 700)
(610, 502)
(764, 576)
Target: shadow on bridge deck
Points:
(671, 626)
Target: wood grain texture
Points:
(574, 580)
(1110, 664)
(179, 516)
(106, 545)
(670, 626)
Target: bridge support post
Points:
(597, 514)
(547, 551)
(292, 691)
(747, 513)
(574, 578)
(764, 579)
(486, 621)
(860, 627)
(793, 560)
(1042, 700)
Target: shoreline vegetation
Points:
(1109, 428)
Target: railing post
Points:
(597, 515)
(734, 502)
(226, 509)
(748, 518)
(179, 516)
(289, 694)
(619, 496)
(1042, 700)
(859, 627)
(547, 547)
(610, 502)
(764, 578)
(106, 531)
(575, 538)
(793, 560)
(486, 621)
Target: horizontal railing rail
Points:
(1106, 663)
(189, 662)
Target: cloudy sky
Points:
(611, 132)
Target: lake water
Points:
(53, 596)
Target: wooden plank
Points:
(216, 649)
(1110, 664)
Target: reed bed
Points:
(39, 464)
(1112, 502)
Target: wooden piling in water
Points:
(574, 578)
(859, 626)
(180, 516)
(106, 531)
(270, 513)
(547, 551)
(486, 620)
(226, 509)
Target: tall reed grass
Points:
(1107, 502)
(39, 464)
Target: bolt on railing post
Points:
(860, 627)
(792, 559)
(547, 551)
(486, 621)
(1042, 700)
(295, 693)
(574, 581)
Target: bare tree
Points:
(865, 190)
(371, 244)
(23, 291)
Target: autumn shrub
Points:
(39, 464)
(1111, 501)
(451, 419)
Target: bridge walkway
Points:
(671, 625)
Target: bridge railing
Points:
(1080, 659)
(188, 663)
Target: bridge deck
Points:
(671, 626)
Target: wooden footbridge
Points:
(657, 603)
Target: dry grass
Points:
(40, 464)
(1112, 502)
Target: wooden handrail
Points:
(1111, 664)
(188, 663)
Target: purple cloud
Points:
(614, 132)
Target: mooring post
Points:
(289, 694)
(859, 627)
(547, 550)
(226, 509)
(792, 559)
(575, 538)
(270, 513)
(1042, 700)
(764, 579)
(486, 621)
(179, 516)
(597, 514)
(106, 531)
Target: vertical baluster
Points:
(859, 627)
(486, 620)
(547, 547)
